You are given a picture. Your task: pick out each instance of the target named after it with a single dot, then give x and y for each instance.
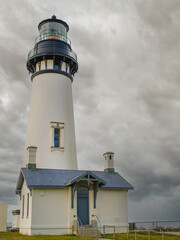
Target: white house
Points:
(3, 216)
(54, 195)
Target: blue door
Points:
(83, 205)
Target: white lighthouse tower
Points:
(50, 141)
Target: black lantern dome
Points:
(53, 43)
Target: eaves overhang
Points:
(117, 188)
(45, 186)
(19, 182)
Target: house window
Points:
(27, 205)
(23, 207)
(57, 136)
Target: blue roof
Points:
(58, 178)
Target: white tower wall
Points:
(51, 101)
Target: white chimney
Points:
(31, 158)
(109, 162)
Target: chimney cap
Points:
(31, 147)
(108, 153)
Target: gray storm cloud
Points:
(126, 93)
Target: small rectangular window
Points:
(23, 207)
(56, 65)
(39, 65)
(28, 205)
(60, 66)
(56, 137)
(63, 66)
(67, 68)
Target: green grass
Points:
(171, 229)
(18, 236)
(120, 236)
(142, 236)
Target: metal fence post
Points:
(149, 234)
(114, 233)
(162, 235)
(135, 234)
(83, 231)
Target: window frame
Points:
(60, 127)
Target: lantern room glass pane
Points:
(53, 28)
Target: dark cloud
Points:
(126, 93)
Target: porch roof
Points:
(58, 178)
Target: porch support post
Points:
(95, 192)
(72, 194)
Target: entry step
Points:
(88, 231)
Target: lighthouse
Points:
(50, 141)
(54, 196)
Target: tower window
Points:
(56, 65)
(39, 65)
(67, 67)
(63, 67)
(60, 65)
(57, 136)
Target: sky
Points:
(126, 93)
